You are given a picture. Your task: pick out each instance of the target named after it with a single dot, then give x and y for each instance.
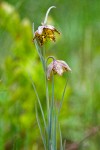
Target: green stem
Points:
(54, 136)
(52, 57)
(46, 84)
(52, 103)
(51, 115)
(47, 13)
(47, 98)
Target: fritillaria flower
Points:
(57, 66)
(45, 32)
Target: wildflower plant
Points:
(51, 124)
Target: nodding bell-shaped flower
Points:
(57, 67)
(44, 33)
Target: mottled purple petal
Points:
(64, 65)
(49, 70)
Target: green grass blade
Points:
(54, 136)
(65, 145)
(38, 121)
(38, 99)
(61, 102)
(61, 145)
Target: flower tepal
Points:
(45, 32)
(57, 66)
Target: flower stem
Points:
(47, 13)
(46, 82)
(49, 58)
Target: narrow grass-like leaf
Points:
(39, 103)
(38, 121)
(49, 129)
(61, 102)
(65, 145)
(61, 145)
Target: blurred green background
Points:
(79, 45)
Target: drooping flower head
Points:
(45, 32)
(57, 67)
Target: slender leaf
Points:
(61, 102)
(61, 145)
(39, 103)
(38, 121)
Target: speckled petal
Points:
(44, 33)
(64, 65)
(52, 28)
(49, 70)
